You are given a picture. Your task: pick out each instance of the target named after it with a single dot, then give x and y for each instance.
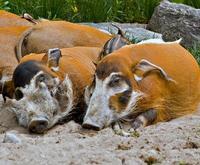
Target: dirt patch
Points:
(174, 142)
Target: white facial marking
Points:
(99, 109)
(67, 84)
(31, 87)
(37, 101)
(87, 94)
(102, 91)
(98, 94)
(67, 90)
(135, 96)
(112, 92)
(55, 69)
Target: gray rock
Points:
(134, 32)
(176, 21)
(11, 138)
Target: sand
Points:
(167, 143)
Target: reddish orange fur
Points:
(11, 28)
(10, 19)
(170, 99)
(77, 62)
(9, 37)
(61, 34)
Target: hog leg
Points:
(140, 121)
(144, 119)
(117, 128)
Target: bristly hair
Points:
(106, 68)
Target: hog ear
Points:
(54, 56)
(8, 90)
(116, 42)
(112, 45)
(144, 68)
(120, 32)
(29, 18)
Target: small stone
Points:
(11, 138)
(151, 157)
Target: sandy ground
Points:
(174, 142)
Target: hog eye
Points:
(18, 94)
(54, 112)
(41, 78)
(115, 81)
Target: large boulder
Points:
(176, 21)
(133, 31)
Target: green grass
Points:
(194, 3)
(195, 51)
(49, 9)
(89, 10)
(137, 10)
(4, 5)
(93, 11)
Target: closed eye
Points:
(115, 81)
(45, 78)
(18, 94)
(41, 78)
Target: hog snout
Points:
(38, 125)
(90, 124)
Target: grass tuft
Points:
(50, 9)
(89, 10)
(4, 5)
(93, 11)
(195, 51)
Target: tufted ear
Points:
(144, 68)
(53, 57)
(120, 32)
(29, 18)
(115, 43)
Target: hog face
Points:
(113, 98)
(115, 93)
(42, 100)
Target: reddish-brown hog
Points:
(143, 84)
(61, 34)
(49, 88)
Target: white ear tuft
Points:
(137, 78)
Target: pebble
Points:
(11, 138)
